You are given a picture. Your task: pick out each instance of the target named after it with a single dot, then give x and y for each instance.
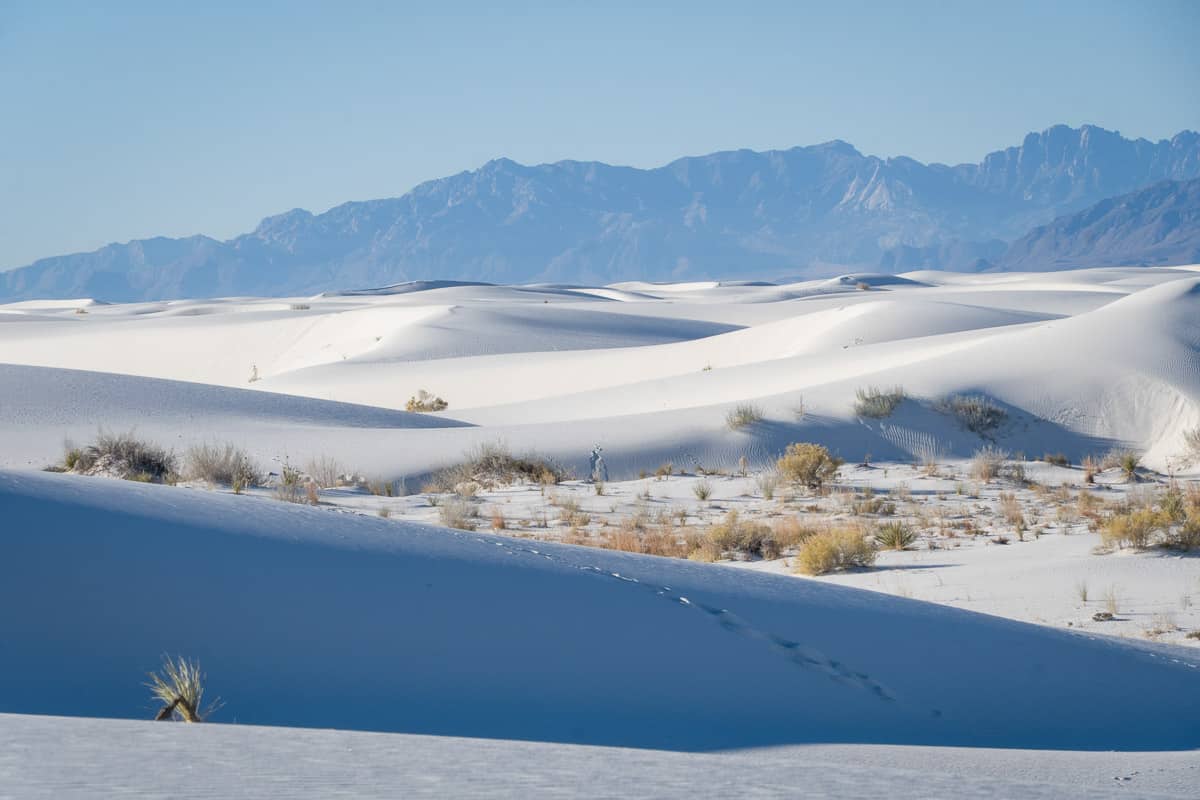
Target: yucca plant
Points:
(894, 536)
(179, 686)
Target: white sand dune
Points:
(307, 617)
(1082, 360)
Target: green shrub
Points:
(895, 536)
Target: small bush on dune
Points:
(702, 489)
(808, 464)
(492, 465)
(224, 464)
(833, 550)
(976, 413)
(744, 414)
(423, 402)
(125, 456)
(1057, 459)
(875, 403)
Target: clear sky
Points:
(173, 118)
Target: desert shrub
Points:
(423, 401)
(299, 307)
(458, 513)
(875, 403)
(791, 533)
(1185, 536)
(1091, 465)
(767, 482)
(974, 412)
(742, 415)
(225, 464)
(179, 686)
(1134, 529)
(1057, 459)
(736, 535)
(894, 536)
(290, 487)
(492, 465)
(1010, 509)
(1173, 505)
(990, 463)
(665, 470)
(702, 489)
(1129, 461)
(833, 550)
(326, 471)
(124, 455)
(808, 464)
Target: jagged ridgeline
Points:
(804, 212)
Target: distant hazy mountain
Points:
(1157, 226)
(813, 210)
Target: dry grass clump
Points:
(225, 464)
(875, 403)
(895, 536)
(658, 540)
(742, 415)
(1057, 459)
(492, 465)
(124, 456)
(767, 482)
(423, 402)
(1010, 509)
(807, 464)
(834, 550)
(458, 513)
(1134, 529)
(702, 489)
(974, 412)
(326, 471)
(744, 537)
(179, 686)
(990, 463)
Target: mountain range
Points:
(1063, 197)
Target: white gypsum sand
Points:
(319, 618)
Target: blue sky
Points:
(177, 118)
